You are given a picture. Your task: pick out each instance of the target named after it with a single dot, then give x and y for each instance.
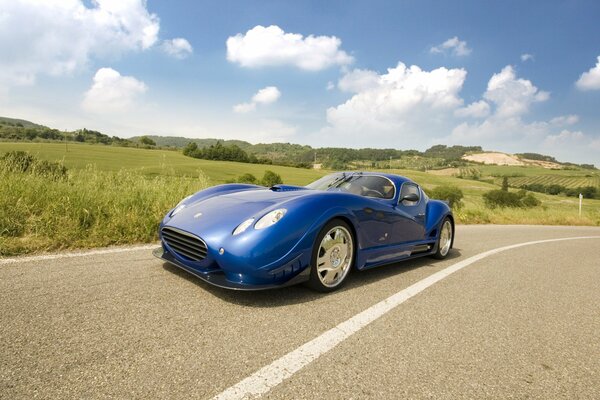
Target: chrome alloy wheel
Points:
(445, 238)
(334, 257)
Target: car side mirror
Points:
(412, 197)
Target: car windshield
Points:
(362, 185)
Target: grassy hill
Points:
(154, 162)
(19, 122)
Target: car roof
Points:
(398, 180)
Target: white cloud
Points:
(456, 46)
(268, 95)
(526, 57)
(564, 120)
(330, 86)
(590, 80)
(244, 108)
(512, 96)
(112, 92)
(405, 102)
(58, 37)
(265, 96)
(271, 46)
(178, 48)
(565, 137)
(478, 109)
(505, 129)
(358, 80)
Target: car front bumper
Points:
(219, 279)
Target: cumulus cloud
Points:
(112, 92)
(590, 80)
(453, 45)
(564, 120)
(526, 57)
(478, 109)
(358, 80)
(505, 128)
(404, 102)
(512, 96)
(565, 137)
(267, 95)
(59, 37)
(178, 48)
(271, 46)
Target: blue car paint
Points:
(384, 231)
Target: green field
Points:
(155, 162)
(117, 195)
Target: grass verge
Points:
(90, 208)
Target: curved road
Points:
(118, 323)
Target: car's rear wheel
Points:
(333, 256)
(445, 239)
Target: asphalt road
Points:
(523, 323)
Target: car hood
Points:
(221, 214)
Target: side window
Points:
(409, 189)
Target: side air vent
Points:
(184, 244)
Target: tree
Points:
(452, 194)
(190, 149)
(505, 184)
(147, 141)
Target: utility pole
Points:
(390, 162)
(580, 201)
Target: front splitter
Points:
(220, 280)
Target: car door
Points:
(410, 226)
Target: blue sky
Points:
(508, 75)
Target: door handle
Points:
(421, 215)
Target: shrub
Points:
(270, 178)
(246, 178)
(452, 194)
(16, 161)
(501, 198)
(22, 162)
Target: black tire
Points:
(444, 243)
(325, 274)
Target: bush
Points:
(246, 178)
(452, 194)
(22, 162)
(501, 198)
(270, 178)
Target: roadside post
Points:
(580, 200)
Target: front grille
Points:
(184, 244)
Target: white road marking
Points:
(263, 380)
(46, 257)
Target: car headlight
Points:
(270, 219)
(243, 226)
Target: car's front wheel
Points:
(445, 239)
(333, 256)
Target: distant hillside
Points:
(19, 122)
(436, 157)
(181, 142)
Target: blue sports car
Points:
(250, 237)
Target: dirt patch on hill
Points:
(508, 159)
(494, 158)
